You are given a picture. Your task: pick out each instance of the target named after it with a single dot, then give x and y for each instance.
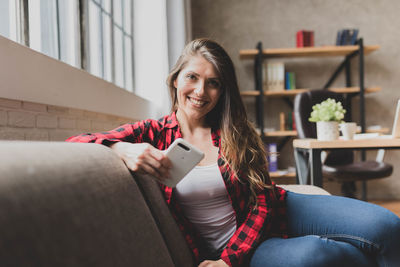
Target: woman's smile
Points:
(198, 89)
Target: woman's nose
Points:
(199, 90)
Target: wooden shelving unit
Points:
(349, 90)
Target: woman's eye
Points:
(214, 84)
(191, 77)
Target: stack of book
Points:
(347, 37)
(272, 151)
(287, 121)
(304, 38)
(290, 80)
(274, 76)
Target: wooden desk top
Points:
(361, 143)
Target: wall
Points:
(23, 120)
(240, 24)
(44, 99)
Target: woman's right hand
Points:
(143, 158)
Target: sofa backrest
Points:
(69, 204)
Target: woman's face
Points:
(198, 88)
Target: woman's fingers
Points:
(144, 158)
(154, 162)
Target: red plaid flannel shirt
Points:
(253, 224)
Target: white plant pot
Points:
(327, 130)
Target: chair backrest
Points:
(303, 103)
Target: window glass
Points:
(107, 47)
(69, 32)
(5, 20)
(118, 57)
(118, 10)
(128, 64)
(95, 40)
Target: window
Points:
(53, 29)
(63, 28)
(10, 19)
(111, 41)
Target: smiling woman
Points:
(226, 207)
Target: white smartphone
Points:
(184, 157)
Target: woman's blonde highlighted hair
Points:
(242, 148)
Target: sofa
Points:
(73, 204)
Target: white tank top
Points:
(205, 202)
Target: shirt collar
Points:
(172, 122)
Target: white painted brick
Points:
(57, 110)
(83, 124)
(99, 126)
(61, 135)
(76, 112)
(9, 103)
(11, 134)
(46, 121)
(34, 106)
(3, 117)
(21, 119)
(66, 123)
(90, 114)
(37, 135)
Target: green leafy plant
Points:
(328, 110)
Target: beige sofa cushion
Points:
(64, 204)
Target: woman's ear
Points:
(175, 82)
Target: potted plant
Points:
(327, 115)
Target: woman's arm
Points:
(132, 133)
(128, 142)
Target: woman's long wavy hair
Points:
(242, 148)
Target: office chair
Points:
(339, 164)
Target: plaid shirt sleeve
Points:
(266, 219)
(131, 132)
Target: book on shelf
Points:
(290, 80)
(346, 37)
(304, 38)
(282, 121)
(272, 152)
(274, 76)
(290, 122)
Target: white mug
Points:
(348, 130)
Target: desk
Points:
(314, 147)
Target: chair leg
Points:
(364, 191)
(349, 189)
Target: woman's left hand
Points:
(218, 263)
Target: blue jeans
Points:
(333, 231)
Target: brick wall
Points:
(20, 120)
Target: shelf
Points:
(320, 51)
(282, 175)
(288, 93)
(280, 133)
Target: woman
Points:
(227, 208)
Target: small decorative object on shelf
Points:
(304, 38)
(327, 115)
(347, 37)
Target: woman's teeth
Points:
(197, 102)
